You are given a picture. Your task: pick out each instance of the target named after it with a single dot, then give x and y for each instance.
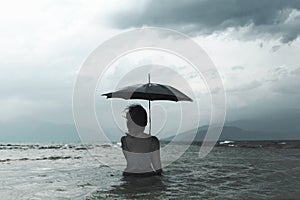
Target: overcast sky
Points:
(254, 45)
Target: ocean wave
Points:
(261, 144)
(226, 142)
(46, 146)
(42, 158)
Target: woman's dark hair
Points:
(138, 114)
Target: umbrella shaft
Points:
(149, 117)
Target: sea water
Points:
(245, 170)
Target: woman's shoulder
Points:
(123, 142)
(155, 143)
(123, 138)
(154, 138)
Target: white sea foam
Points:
(226, 142)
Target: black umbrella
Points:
(150, 92)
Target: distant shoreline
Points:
(220, 143)
(244, 143)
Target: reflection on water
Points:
(135, 187)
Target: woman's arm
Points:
(156, 162)
(123, 145)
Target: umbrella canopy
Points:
(150, 92)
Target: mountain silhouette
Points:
(235, 134)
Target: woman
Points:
(141, 150)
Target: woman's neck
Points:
(138, 134)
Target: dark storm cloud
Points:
(275, 48)
(237, 67)
(286, 81)
(295, 71)
(245, 87)
(276, 18)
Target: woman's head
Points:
(136, 117)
